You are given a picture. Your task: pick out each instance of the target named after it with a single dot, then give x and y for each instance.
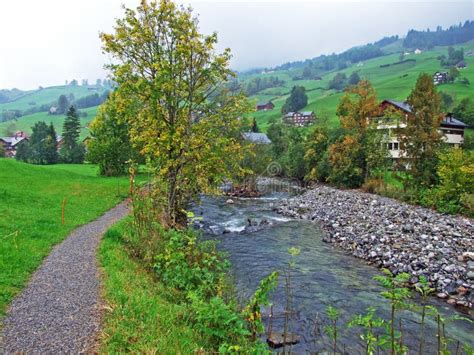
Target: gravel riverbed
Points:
(396, 236)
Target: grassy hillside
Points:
(30, 213)
(47, 96)
(26, 122)
(391, 82)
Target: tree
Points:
(110, 146)
(255, 128)
(71, 150)
(453, 73)
(354, 78)
(63, 104)
(296, 167)
(338, 82)
(41, 147)
(276, 133)
(316, 154)
(465, 111)
(171, 90)
(98, 82)
(446, 101)
(296, 101)
(358, 160)
(51, 146)
(420, 140)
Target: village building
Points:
(265, 106)
(11, 144)
(440, 78)
(451, 128)
(417, 51)
(256, 138)
(299, 118)
(461, 64)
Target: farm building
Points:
(461, 64)
(265, 106)
(440, 78)
(299, 118)
(417, 51)
(10, 144)
(451, 128)
(257, 138)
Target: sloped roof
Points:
(263, 103)
(451, 121)
(258, 138)
(12, 140)
(447, 121)
(400, 104)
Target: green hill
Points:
(391, 81)
(25, 123)
(48, 96)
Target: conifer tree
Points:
(72, 151)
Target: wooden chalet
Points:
(265, 106)
(451, 128)
(299, 118)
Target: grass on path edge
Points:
(141, 316)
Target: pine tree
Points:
(71, 150)
(255, 128)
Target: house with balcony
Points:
(451, 127)
(299, 118)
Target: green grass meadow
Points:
(25, 123)
(30, 213)
(142, 316)
(47, 96)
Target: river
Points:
(322, 275)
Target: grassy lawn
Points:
(30, 213)
(47, 96)
(25, 123)
(142, 317)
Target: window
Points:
(390, 146)
(395, 146)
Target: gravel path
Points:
(59, 309)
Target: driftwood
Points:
(243, 191)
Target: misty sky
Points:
(46, 42)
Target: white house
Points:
(451, 128)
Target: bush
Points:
(372, 185)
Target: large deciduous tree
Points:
(420, 140)
(110, 146)
(171, 91)
(356, 156)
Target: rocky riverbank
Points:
(397, 236)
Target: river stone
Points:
(393, 235)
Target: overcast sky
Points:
(46, 42)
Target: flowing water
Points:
(322, 275)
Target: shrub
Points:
(372, 185)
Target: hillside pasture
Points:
(25, 123)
